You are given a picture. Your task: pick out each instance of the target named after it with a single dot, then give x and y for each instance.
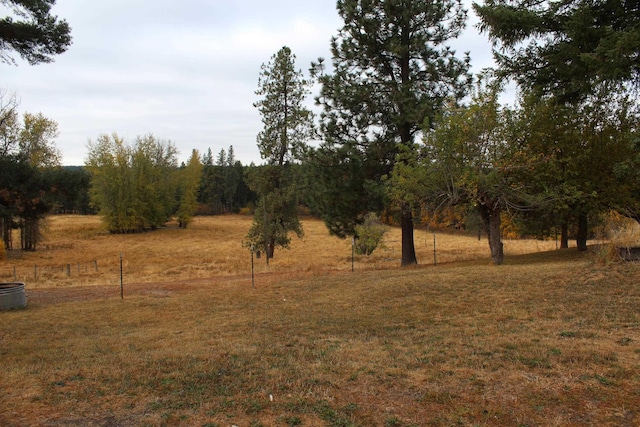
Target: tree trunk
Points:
(271, 247)
(583, 232)
(492, 221)
(564, 236)
(29, 234)
(6, 233)
(408, 247)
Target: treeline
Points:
(223, 188)
(138, 186)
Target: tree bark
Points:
(583, 232)
(492, 222)
(29, 233)
(408, 247)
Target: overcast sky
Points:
(185, 71)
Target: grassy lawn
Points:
(549, 338)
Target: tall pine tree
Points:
(287, 126)
(392, 72)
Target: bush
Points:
(369, 235)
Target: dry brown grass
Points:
(550, 338)
(212, 247)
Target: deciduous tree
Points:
(190, 177)
(133, 187)
(37, 140)
(466, 159)
(574, 51)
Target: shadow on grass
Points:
(561, 255)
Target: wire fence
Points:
(43, 272)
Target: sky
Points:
(185, 71)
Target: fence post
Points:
(121, 281)
(435, 260)
(68, 270)
(35, 272)
(95, 263)
(15, 276)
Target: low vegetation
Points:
(549, 338)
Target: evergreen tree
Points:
(207, 158)
(565, 48)
(231, 181)
(392, 74)
(287, 125)
(36, 35)
(574, 51)
(22, 201)
(69, 189)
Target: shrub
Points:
(369, 235)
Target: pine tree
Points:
(36, 35)
(392, 74)
(287, 125)
(565, 48)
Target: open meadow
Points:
(77, 251)
(550, 338)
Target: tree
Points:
(588, 151)
(392, 74)
(154, 163)
(467, 159)
(287, 125)
(25, 149)
(133, 187)
(68, 189)
(36, 140)
(9, 128)
(276, 213)
(32, 32)
(190, 177)
(573, 51)
(223, 187)
(232, 179)
(566, 48)
(22, 201)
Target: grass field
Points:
(551, 338)
(212, 247)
